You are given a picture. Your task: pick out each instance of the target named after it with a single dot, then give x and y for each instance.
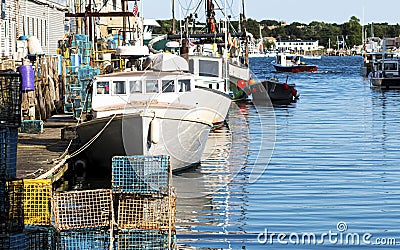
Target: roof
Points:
(151, 22)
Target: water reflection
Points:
(213, 200)
(205, 195)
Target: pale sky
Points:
(304, 11)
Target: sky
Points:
(303, 11)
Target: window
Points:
(151, 86)
(135, 86)
(168, 86)
(103, 88)
(119, 88)
(45, 32)
(184, 85)
(209, 68)
(390, 66)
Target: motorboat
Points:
(280, 93)
(291, 63)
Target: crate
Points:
(82, 37)
(84, 239)
(146, 212)
(38, 238)
(146, 239)
(140, 174)
(10, 98)
(82, 209)
(11, 207)
(8, 152)
(87, 73)
(32, 126)
(12, 241)
(37, 202)
(68, 108)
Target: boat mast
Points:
(173, 17)
(210, 16)
(246, 45)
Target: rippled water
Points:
(335, 159)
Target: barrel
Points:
(27, 77)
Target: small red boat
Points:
(291, 63)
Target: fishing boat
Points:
(280, 93)
(291, 63)
(370, 57)
(385, 73)
(150, 112)
(214, 54)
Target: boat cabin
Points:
(386, 68)
(287, 60)
(122, 88)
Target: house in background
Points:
(297, 45)
(41, 18)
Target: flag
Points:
(135, 9)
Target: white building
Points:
(297, 45)
(41, 18)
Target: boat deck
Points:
(37, 151)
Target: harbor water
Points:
(328, 167)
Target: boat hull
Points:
(385, 83)
(133, 134)
(278, 92)
(296, 68)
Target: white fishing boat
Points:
(385, 73)
(151, 112)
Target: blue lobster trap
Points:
(141, 174)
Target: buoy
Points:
(27, 77)
(285, 86)
(241, 84)
(154, 131)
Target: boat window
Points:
(208, 68)
(103, 88)
(151, 86)
(184, 85)
(168, 86)
(119, 87)
(390, 66)
(135, 86)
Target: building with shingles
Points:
(41, 18)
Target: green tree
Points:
(351, 30)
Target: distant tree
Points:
(269, 22)
(324, 32)
(268, 44)
(351, 30)
(253, 27)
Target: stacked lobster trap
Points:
(145, 202)
(39, 232)
(11, 191)
(137, 213)
(82, 219)
(26, 224)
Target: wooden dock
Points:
(36, 152)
